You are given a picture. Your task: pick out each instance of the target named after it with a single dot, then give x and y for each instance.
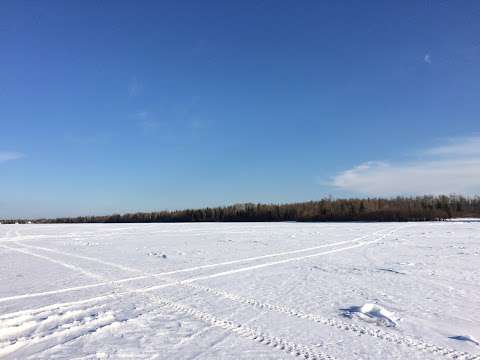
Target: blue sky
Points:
(123, 106)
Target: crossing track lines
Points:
(199, 278)
(416, 344)
(71, 324)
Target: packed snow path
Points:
(239, 290)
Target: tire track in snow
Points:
(239, 329)
(416, 344)
(302, 350)
(55, 261)
(299, 350)
(9, 238)
(32, 332)
(242, 330)
(249, 259)
(296, 349)
(202, 267)
(29, 335)
(88, 258)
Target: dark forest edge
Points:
(421, 208)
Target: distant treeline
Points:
(425, 208)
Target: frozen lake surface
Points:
(240, 291)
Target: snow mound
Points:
(372, 313)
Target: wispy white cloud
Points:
(10, 155)
(453, 168)
(467, 146)
(149, 124)
(427, 58)
(134, 87)
(146, 120)
(142, 114)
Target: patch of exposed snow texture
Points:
(241, 291)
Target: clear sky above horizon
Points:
(119, 106)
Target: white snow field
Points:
(240, 291)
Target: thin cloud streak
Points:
(10, 155)
(469, 146)
(135, 87)
(451, 169)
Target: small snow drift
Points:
(372, 313)
(465, 338)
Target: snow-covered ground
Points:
(240, 291)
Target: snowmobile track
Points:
(416, 344)
(11, 345)
(282, 344)
(357, 244)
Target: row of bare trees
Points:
(422, 208)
